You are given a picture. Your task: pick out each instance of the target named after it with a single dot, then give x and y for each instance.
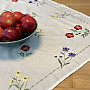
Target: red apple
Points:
(8, 14)
(1, 31)
(18, 16)
(10, 34)
(7, 19)
(28, 24)
(18, 27)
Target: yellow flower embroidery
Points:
(10, 81)
(25, 78)
(18, 73)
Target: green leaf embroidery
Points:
(62, 53)
(13, 85)
(66, 63)
(74, 30)
(67, 58)
(14, 78)
(28, 54)
(21, 85)
(60, 63)
(10, 86)
(22, 54)
(26, 89)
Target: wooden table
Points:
(80, 80)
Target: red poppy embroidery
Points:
(69, 35)
(14, 0)
(25, 47)
(77, 27)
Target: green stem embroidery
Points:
(26, 85)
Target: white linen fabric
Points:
(59, 47)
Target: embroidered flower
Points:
(25, 47)
(10, 81)
(69, 35)
(14, 0)
(30, 2)
(60, 56)
(71, 54)
(18, 73)
(65, 49)
(55, 56)
(25, 78)
(77, 27)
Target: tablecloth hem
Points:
(76, 11)
(70, 8)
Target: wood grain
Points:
(80, 80)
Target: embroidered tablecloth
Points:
(59, 47)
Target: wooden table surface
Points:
(80, 80)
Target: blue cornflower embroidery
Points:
(71, 54)
(65, 49)
(65, 57)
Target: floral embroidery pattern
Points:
(37, 2)
(26, 78)
(78, 30)
(32, 1)
(77, 27)
(59, 16)
(63, 59)
(19, 82)
(69, 35)
(25, 48)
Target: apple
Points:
(1, 31)
(18, 16)
(18, 27)
(28, 24)
(10, 34)
(7, 19)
